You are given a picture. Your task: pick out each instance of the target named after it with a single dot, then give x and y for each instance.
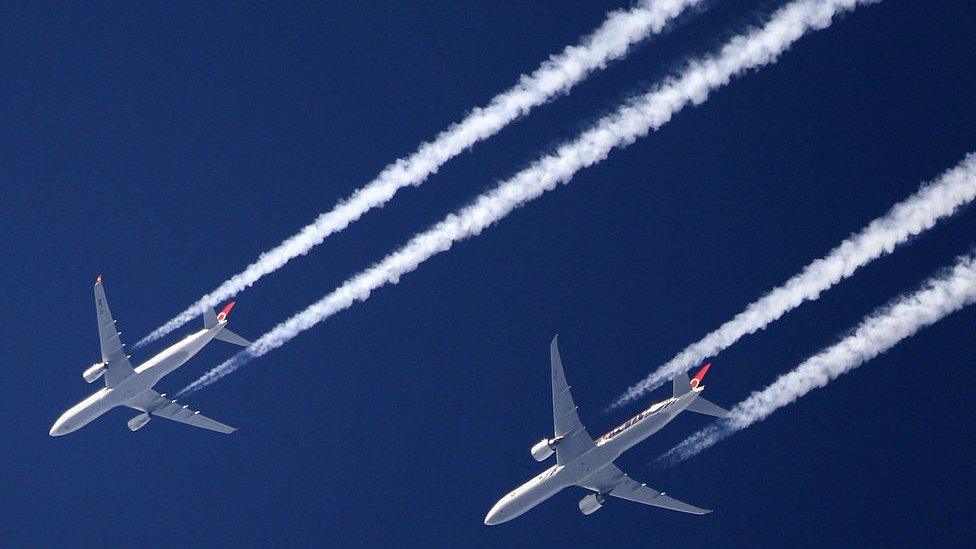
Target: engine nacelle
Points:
(591, 503)
(543, 449)
(138, 422)
(96, 371)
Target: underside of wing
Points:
(573, 440)
(117, 366)
(158, 405)
(611, 480)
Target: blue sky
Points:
(167, 145)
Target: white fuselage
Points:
(608, 448)
(145, 376)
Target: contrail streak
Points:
(938, 297)
(611, 41)
(920, 212)
(632, 120)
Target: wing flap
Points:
(632, 490)
(157, 405)
(565, 419)
(611, 480)
(113, 350)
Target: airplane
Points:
(133, 387)
(587, 463)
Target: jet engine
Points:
(140, 421)
(591, 503)
(95, 371)
(544, 448)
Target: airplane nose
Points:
(58, 428)
(495, 515)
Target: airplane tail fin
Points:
(682, 385)
(209, 318)
(212, 319)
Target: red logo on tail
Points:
(226, 311)
(696, 381)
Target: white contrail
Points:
(611, 41)
(632, 120)
(937, 200)
(880, 331)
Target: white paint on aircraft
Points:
(133, 387)
(587, 463)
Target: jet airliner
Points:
(587, 463)
(133, 387)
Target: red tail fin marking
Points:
(222, 316)
(696, 381)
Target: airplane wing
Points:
(573, 438)
(156, 404)
(611, 480)
(113, 350)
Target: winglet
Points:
(696, 381)
(222, 315)
(98, 280)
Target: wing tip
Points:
(98, 280)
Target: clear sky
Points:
(167, 145)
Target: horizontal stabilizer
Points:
(706, 407)
(231, 337)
